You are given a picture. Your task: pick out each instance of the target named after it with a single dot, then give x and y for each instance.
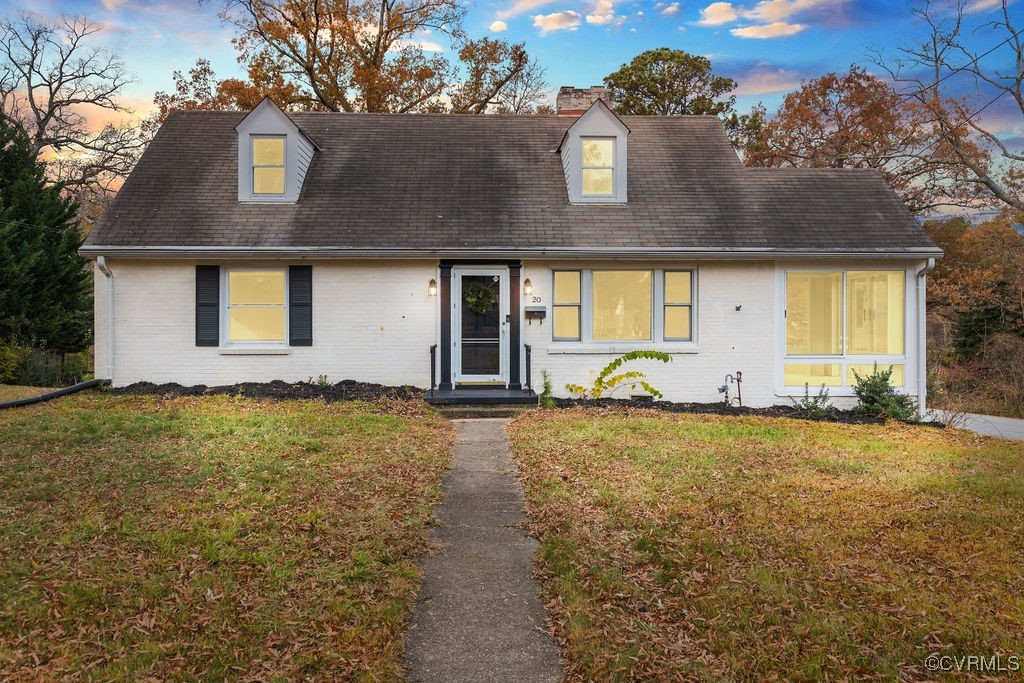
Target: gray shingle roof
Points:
(475, 184)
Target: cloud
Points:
(557, 21)
(982, 6)
(520, 6)
(604, 13)
(776, 29)
(112, 5)
(670, 10)
(717, 13)
(498, 26)
(765, 78)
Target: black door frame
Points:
(514, 332)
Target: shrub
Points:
(77, 367)
(816, 407)
(547, 396)
(607, 383)
(10, 359)
(876, 396)
(39, 368)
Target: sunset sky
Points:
(767, 47)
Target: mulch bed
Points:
(346, 390)
(351, 390)
(719, 408)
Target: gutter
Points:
(922, 334)
(101, 263)
(194, 252)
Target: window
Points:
(623, 306)
(678, 305)
(268, 153)
(598, 167)
(843, 321)
(256, 306)
(565, 311)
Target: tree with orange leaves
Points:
(368, 55)
(856, 120)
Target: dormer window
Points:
(273, 156)
(268, 172)
(593, 152)
(598, 167)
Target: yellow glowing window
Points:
(896, 379)
(598, 166)
(678, 305)
(814, 374)
(814, 314)
(622, 305)
(256, 306)
(268, 164)
(874, 312)
(565, 309)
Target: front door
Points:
(480, 325)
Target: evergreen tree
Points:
(45, 297)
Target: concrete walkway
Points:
(479, 616)
(990, 425)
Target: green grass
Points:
(212, 538)
(12, 392)
(716, 548)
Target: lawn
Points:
(709, 548)
(212, 538)
(12, 392)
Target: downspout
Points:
(922, 335)
(101, 263)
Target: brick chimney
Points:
(574, 101)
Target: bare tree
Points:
(527, 93)
(49, 76)
(927, 69)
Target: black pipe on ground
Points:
(21, 402)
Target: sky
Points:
(767, 46)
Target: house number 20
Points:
(537, 299)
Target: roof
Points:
(440, 184)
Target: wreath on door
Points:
(479, 298)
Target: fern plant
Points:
(547, 396)
(609, 379)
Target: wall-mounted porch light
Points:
(527, 287)
(432, 287)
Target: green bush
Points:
(816, 407)
(77, 367)
(10, 359)
(39, 368)
(608, 382)
(876, 396)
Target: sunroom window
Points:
(839, 322)
(623, 306)
(268, 167)
(256, 310)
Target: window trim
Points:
(587, 344)
(583, 166)
(225, 307)
(253, 137)
(845, 359)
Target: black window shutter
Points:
(300, 305)
(207, 305)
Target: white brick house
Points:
(261, 246)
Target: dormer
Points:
(594, 157)
(273, 156)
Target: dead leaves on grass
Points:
(679, 547)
